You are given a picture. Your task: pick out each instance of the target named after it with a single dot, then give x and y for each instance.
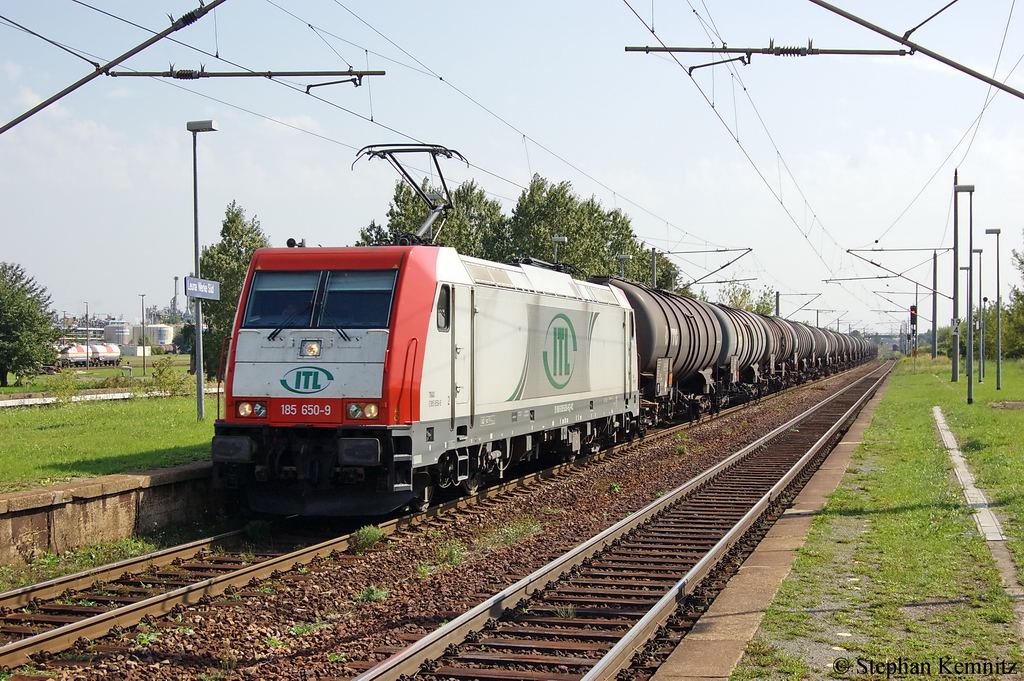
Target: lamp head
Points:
(201, 126)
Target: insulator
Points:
(790, 52)
(187, 18)
(186, 74)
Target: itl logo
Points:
(306, 380)
(560, 357)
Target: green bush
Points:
(365, 537)
(63, 385)
(115, 382)
(371, 594)
(168, 380)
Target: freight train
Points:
(361, 380)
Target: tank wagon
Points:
(360, 380)
(697, 357)
(93, 355)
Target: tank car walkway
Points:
(712, 649)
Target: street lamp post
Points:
(142, 344)
(623, 257)
(957, 189)
(558, 240)
(88, 335)
(999, 317)
(970, 335)
(981, 318)
(196, 127)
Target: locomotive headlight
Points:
(362, 410)
(310, 348)
(251, 409)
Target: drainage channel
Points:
(587, 614)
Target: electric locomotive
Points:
(360, 380)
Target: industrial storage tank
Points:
(160, 334)
(117, 333)
(156, 334)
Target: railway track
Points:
(603, 606)
(40, 621)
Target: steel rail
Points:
(622, 652)
(19, 598)
(433, 645)
(61, 638)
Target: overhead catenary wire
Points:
(56, 44)
(743, 149)
(507, 123)
(428, 71)
(181, 22)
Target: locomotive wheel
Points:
(447, 467)
(471, 484)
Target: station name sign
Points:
(202, 288)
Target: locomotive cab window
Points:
(444, 307)
(281, 299)
(358, 299)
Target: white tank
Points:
(156, 334)
(159, 334)
(117, 333)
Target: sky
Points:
(811, 162)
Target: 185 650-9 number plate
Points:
(306, 411)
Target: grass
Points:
(53, 565)
(371, 594)
(92, 377)
(500, 536)
(48, 445)
(893, 567)
(365, 537)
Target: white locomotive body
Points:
(362, 379)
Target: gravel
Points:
(325, 622)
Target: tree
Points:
(477, 227)
(740, 296)
(1013, 317)
(227, 262)
(27, 332)
(468, 228)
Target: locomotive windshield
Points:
(354, 299)
(359, 299)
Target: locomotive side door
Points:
(462, 338)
